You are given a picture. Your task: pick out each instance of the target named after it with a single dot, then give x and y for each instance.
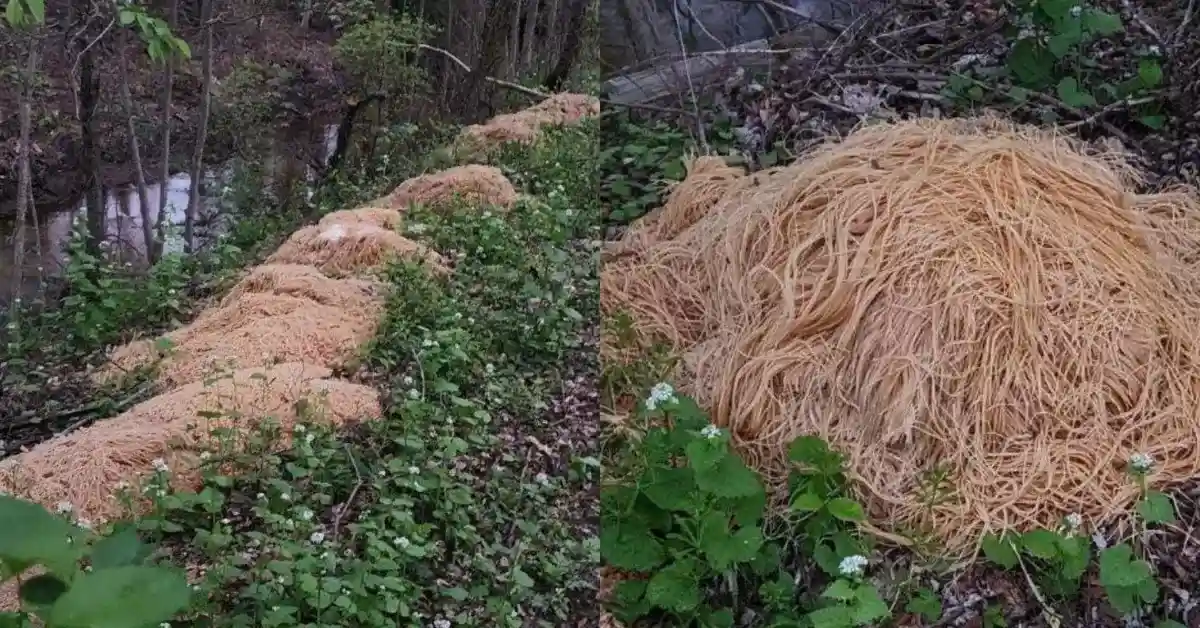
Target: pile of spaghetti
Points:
(965, 297)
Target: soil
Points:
(244, 32)
(894, 63)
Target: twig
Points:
(946, 51)
(119, 407)
(691, 85)
(528, 91)
(344, 508)
(1137, 17)
(1052, 618)
(836, 30)
(1116, 106)
(1187, 19)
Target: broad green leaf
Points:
(1071, 93)
(1156, 507)
(705, 453)
(184, 49)
(37, 8)
(126, 16)
(1150, 73)
(730, 477)
(749, 510)
(34, 536)
(1057, 10)
(669, 488)
(807, 502)
(831, 617)
(869, 607)
(998, 550)
(1040, 543)
(14, 13)
(1153, 121)
(1061, 44)
(846, 509)
(686, 413)
(674, 588)
(925, 603)
(674, 170)
(809, 450)
(840, 590)
(719, 619)
(627, 546)
(522, 579)
(1168, 623)
(1102, 23)
(122, 597)
(1119, 569)
(1124, 599)
(121, 549)
(1031, 64)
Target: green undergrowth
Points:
(691, 541)
(467, 504)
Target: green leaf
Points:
(1153, 121)
(522, 579)
(184, 49)
(38, 9)
(122, 597)
(831, 617)
(1041, 543)
(729, 478)
(749, 510)
(1070, 92)
(14, 13)
(1018, 94)
(626, 545)
(840, 590)
(1150, 73)
(807, 502)
(669, 488)
(34, 536)
(43, 590)
(998, 550)
(1061, 44)
(869, 606)
(1102, 23)
(674, 170)
(1119, 569)
(126, 16)
(846, 509)
(927, 604)
(1168, 623)
(809, 450)
(705, 453)
(675, 588)
(121, 549)
(1031, 64)
(1156, 507)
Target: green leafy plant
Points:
(636, 164)
(89, 581)
(1057, 558)
(925, 603)
(691, 510)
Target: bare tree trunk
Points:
(514, 42)
(492, 51)
(136, 150)
(24, 187)
(89, 88)
(531, 21)
(572, 45)
(160, 223)
(193, 206)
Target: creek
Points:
(49, 233)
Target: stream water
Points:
(46, 241)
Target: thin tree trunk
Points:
(492, 50)
(193, 206)
(136, 151)
(89, 88)
(24, 200)
(572, 46)
(514, 42)
(160, 223)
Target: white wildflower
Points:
(165, 624)
(661, 393)
(441, 623)
(261, 497)
(1076, 11)
(309, 438)
(1074, 521)
(317, 537)
(299, 429)
(402, 542)
(225, 521)
(413, 393)
(710, 431)
(286, 497)
(413, 470)
(542, 479)
(86, 524)
(159, 464)
(306, 515)
(204, 455)
(64, 507)
(853, 566)
(1141, 463)
(408, 381)
(1155, 50)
